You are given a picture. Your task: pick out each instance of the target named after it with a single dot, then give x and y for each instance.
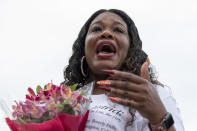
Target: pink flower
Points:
(18, 111)
(49, 103)
(66, 93)
(29, 97)
(37, 112)
(31, 92)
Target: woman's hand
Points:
(136, 92)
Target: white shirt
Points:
(107, 116)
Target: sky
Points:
(36, 38)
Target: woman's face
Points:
(107, 43)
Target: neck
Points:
(97, 77)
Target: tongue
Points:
(106, 54)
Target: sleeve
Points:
(170, 105)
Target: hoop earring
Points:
(82, 59)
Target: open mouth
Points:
(106, 47)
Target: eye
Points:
(119, 30)
(96, 29)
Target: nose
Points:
(107, 35)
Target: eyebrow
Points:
(114, 23)
(118, 23)
(98, 22)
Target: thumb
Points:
(144, 70)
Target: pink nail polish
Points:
(105, 88)
(103, 83)
(114, 99)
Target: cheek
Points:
(89, 44)
(124, 46)
(90, 48)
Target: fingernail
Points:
(109, 72)
(105, 88)
(103, 83)
(148, 60)
(114, 99)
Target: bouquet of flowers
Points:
(52, 108)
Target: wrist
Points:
(157, 118)
(164, 125)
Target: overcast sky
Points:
(36, 38)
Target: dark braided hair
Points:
(133, 62)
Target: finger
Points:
(125, 102)
(126, 94)
(144, 70)
(118, 84)
(124, 76)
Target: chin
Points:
(105, 65)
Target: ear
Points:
(144, 70)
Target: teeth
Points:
(106, 48)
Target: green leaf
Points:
(67, 101)
(38, 89)
(21, 120)
(60, 107)
(82, 93)
(45, 87)
(73, 87)
(68, 109)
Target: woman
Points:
(108, 50)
